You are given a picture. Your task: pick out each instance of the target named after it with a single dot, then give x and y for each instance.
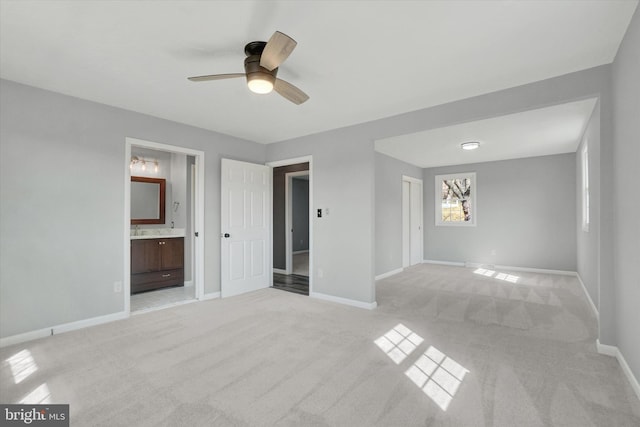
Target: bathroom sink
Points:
(157, 233)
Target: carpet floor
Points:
(447, 346)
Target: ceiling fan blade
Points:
(278, 48)
(216, 77)
(290, 92)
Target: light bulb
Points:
(260, 86)
(472, 145)
(155, 168)
(144, 166)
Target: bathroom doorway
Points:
(163, 258)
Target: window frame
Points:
(473, 198)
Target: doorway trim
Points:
(287, 162)
(198, 226)
(412, 181)
(288, 221)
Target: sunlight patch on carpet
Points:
(22, 365)
(438, 376)
(399, 343)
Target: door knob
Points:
(226, 235)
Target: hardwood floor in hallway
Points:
(292, 283)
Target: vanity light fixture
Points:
(135, 160)
(471, 145)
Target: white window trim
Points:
(474, 199)
(585, 186)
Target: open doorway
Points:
(292, 226)
(163, 251)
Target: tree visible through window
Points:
(455, 196)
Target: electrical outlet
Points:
(117, 287)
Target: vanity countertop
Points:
(157, 233)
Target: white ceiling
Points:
(544, 131)
(358, 60)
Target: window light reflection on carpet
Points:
(399, 343)
(438, 376)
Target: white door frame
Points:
(198, 226)
(414, 181)
(288, 199)
(287, 162)
(406, 224)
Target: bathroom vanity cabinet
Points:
(156, 263)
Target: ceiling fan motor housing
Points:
(256, 72)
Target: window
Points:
(456, 199)
(585, 186)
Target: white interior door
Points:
(406, 224)
(416, 222)
(412, 234)
(246, 227)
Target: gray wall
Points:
(587, 249)
(279, 218)
(626, 207)
(389, 173)
(525, 212)
(62, 171)
(300, 214)
(342, 177)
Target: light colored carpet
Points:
(301, 264)
(446, 347)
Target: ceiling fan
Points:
(261, 67)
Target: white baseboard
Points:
(469, 264)
(306, 251)
(607, 350)
(212, 295)
(584, 288)
(432, 261)
(58, 329)
(535, 270)
(389, 273)
(279, 270)
(346, 301)
(610, 350)
(188, 283)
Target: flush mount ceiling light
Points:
(471, 145)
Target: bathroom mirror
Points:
(147, 200)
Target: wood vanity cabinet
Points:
(156, 263)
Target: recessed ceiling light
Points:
(471, 145)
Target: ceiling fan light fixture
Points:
(260, 82)
(471, 145)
